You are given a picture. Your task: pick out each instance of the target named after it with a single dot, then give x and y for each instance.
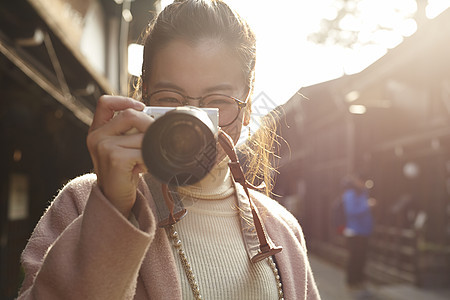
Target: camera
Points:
(180, 147)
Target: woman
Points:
(100, 237)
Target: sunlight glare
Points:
(350, 22)
(386, 14)
(164, 3)
(358, 59)
(329, 12)
(287, 61)
(135, 53)
(388, 38)
(357, 109)
(436, 7)
(408, 27)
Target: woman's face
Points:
(197, 70)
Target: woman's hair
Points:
(194, 21)
(260, 153)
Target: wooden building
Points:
(390, 122)
(56, 58)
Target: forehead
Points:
(196, 67)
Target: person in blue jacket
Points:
(359, 227)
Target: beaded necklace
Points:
(178, 245)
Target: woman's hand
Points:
(115, 151)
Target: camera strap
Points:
(266, 246)
(168, 205)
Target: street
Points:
(330, 280)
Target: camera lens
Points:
(181, 142)
(179, 148)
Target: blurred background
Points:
(360, 86)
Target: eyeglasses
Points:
(229, 107)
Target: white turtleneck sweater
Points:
(212, 240)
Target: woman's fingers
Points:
(118, 164)
(114, 142)
(118, 173)
(119, 159)
(131, 141)
(108, 105)
(126, 120)
(113, 149)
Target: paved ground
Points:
(330, 280)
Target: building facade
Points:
(390, 122)
(57, 57)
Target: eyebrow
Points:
(211, 89)
(167, 85)
(219, 87)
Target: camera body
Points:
(158, 111)
(180, 147)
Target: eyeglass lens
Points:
(227, 106)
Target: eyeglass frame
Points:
(241, 104)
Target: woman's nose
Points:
(193, 101)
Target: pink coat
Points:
(83, 248)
